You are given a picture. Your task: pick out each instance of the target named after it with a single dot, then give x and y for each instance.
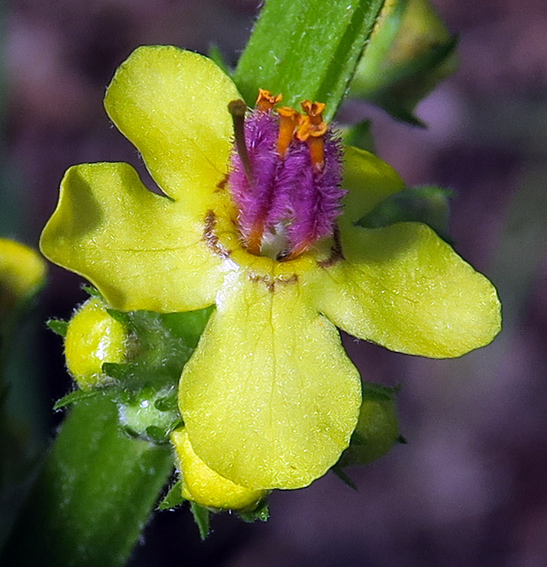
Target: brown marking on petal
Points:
(336, 252)
(221, 185)
(211, 238)
(272, 283)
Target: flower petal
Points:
(205, 486)
(406, 289)
(269, 398)
(141, 250)
(368, 180)
(172, 104)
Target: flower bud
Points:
(22, 272)
(409, 53)
(206, 487)
(93, 337)
(377, 429)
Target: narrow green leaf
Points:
(343, 476)
(76, 396)
(173, 498)
(93, 497)
(216, 55)
(260, 513)
(91, 291)
(306, 50)
(202, 519)
(122, 317)
(58, 326)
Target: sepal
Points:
(377, 430)
(427, 204)
(173, 498)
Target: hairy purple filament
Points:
(287, 200)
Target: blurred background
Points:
(470, 487)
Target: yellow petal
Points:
(404, 288)
(205, 486)
(93, 337)
(368, 180)
(172, 104)
(269, 398)
(141, 250)
(22, 272)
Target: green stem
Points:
(306, 50)
(93, 496)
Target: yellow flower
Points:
(22, 272)
(269, 398)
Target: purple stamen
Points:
(286, 199)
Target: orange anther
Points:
(312, 129)
(314, 110)
(288, 120)
(266, 101)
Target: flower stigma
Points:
(285, 176)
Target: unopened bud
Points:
(93, 337)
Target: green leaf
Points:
(260, 513)
(306, 50)
(77, 396)
(58, 326)
(344, 477)
(428, 204)
(216, 55)
(93, 497)
(91, 291)
(201, 517)
(173, 498)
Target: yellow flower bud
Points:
(22, 272)
(206, 487)
(93, 338)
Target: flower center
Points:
(286, 171)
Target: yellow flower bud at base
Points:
(206, 487)
(93, 338)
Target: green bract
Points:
(269, 398)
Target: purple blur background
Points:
(470, 488)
